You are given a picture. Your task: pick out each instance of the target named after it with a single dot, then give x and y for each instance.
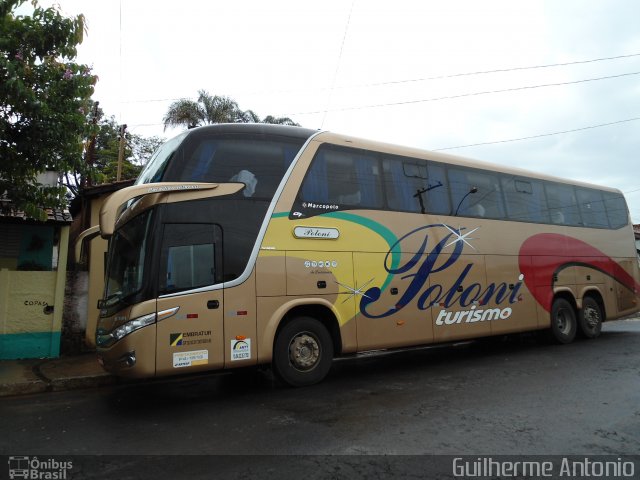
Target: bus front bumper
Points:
(133, 356)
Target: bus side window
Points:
(344, 177)
(401, 182)
(525, 199)
(475, 194)
(592, 208)
(563, 207)
(438, 190)
(617, 210)
(406, 178)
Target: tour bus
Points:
(244, 245)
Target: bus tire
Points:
(563, 322)
(590, 318)
(303, 352)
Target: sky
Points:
(428, 74)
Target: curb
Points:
(73, 373)
(24, 388)
(24, 377)
(19, 378)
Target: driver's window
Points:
(188, 257)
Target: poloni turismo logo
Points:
(37, 469)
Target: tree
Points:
(137, 151)
(214, 109)
(103, 164)
(44, 97)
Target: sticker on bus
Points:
(190, 359)
(241, 349)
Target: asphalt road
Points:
(517, 397)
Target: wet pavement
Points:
(519, 396)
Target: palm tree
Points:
(279, 121)
(183, 112)
(214, 109)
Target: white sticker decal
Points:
(190, 359)
(314, 232)
(241, 349)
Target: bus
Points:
(250, 244)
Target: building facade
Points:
(33, 260)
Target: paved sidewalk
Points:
(20, 377)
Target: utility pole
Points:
(86, 180)
(123, 129)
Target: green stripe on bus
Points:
(378, 228)
(384, 232)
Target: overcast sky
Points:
(385, 70)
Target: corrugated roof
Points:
(54, 216)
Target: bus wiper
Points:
(422, 191)
(473, 189)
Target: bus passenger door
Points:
(190, 325)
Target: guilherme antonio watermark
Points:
(34, 468)
(558, 467)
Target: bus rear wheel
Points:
(590, 318)
(563, 321)
(303, 352)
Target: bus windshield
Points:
(125, 272)
(259, 163)
(155, 167)
(218, 154)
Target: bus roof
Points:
(256, 129)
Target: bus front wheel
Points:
(563, 321)
(303, 352)
(590, 318)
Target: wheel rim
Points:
(563, 322)
(304, 351)
(592, 318)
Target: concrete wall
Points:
(74, 322)
(31, 305)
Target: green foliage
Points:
(104, 161)
(214, 109)
(137, 150)
(44, 98)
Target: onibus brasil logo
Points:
(38, 469)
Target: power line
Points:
(335, 74)
(540, 135)
(437, 77)
(462, 95)
(499, 70)
(492, 142)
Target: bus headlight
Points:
(106, 340)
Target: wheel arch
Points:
(323, 314)
(318, 308)
(596, 295)
(568, 296)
